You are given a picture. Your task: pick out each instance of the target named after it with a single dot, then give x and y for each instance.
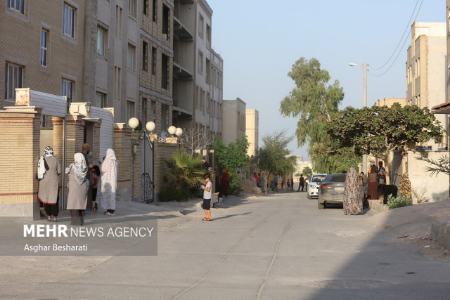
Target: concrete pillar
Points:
(19, 150)
(74, 137)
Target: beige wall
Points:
(252, 130)
(20, 44)
(233, 120)
(426, 69)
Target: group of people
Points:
(84, 178)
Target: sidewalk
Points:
(428, 224)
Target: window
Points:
(67, 88)
(201, 25)
(130, 110)
(165, 72)
(208, 35)
(69, 20)
(145, 7)
(154, 111)
(166, 20)
(208, 71)
(144, 110)
(154, 60)
(101, 99)
(200, 62)
(144, 56)
(132, 8)
(155, 11)
(101, 40)
(118, 21)
(18, 5)
(14, 79)
(43, 47)
(117, 82)
(131, 58)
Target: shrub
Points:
(167, 194)
(400, 201)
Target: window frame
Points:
(165, 62)
(131, 68)
(12, 5)
(145, 56)
(132, 9)
(43, 49)
(200, 64)
(103, 99)
(71, 12)
(64, 81)
(101, 28)
(10, 87)
(154, 60)
(201, 26)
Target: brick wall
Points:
(19, 150)
(123, 149)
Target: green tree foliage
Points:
(234, 158)
(184, 176)
(307, 171)
(314, 100)
(376, 130)
(274, 157)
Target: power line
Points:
(404, 34)
(401, 49)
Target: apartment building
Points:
(252, 130)
(42, 47)
(156, 33)
(198, 73)
(426, 68)
(234, 123)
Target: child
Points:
(95, 177)
(207, 193)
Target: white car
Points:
(314, 184)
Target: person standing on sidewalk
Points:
(301, 184)
(78, 189)
(108, 182)
(49, 170)
(207, 194)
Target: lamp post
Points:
(365, 70)
(146, 132)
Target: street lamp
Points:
(172, 130)
(365, 69)
(146, 136)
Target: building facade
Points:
(426, 69)
(42, 47)
(234, 123)
(252, 131)
(198, 74)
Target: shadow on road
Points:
(231, 216)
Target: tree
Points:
(274, 157)
(314, 100)
(437, 166)
(307, 171)
(376, 130)
(233, 157)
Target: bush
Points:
(400, 201)
(167, 194)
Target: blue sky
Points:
(261, 39)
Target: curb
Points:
(440, 233)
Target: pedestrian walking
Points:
(301, 184)
(95, 179)
(207, 194)
(108, 182)
(49, 170)
(225, 183)
(372, 183)
(353, 194)
(78, 189)
(381, 175)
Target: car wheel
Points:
(321, 205)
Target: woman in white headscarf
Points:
(78, 188)
(49, 170)
(108, 182)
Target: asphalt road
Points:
(277, 247)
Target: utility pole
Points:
(365, 69)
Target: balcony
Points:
(181, 73)
(181, 33)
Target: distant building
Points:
(391, 101)
(426, 68)
(252, 130)
(233, 120)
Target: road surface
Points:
(276, 247)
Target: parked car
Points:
(331, 190)
(312, 186)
